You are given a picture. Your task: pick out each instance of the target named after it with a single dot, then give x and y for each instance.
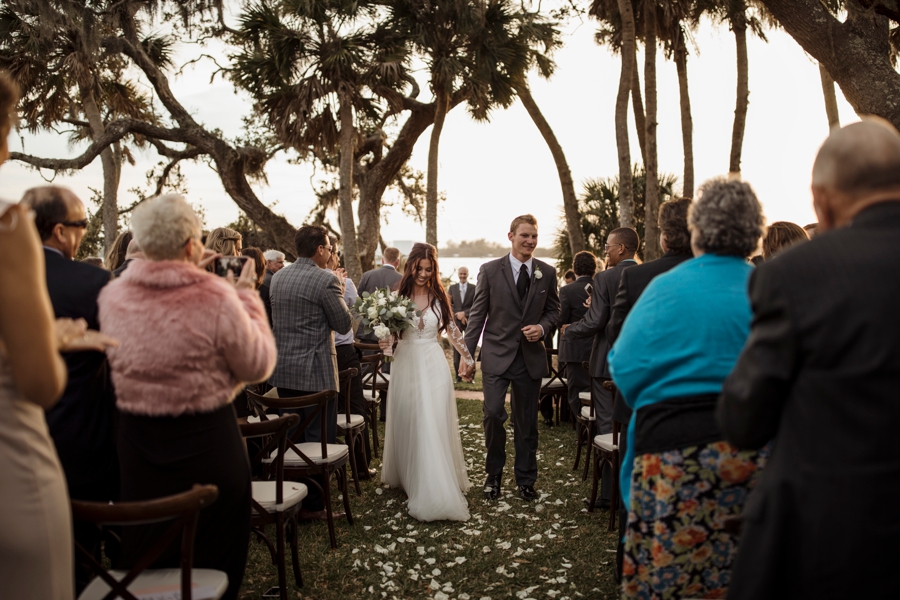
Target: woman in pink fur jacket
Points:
(189, 342)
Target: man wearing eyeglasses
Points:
(81, 423)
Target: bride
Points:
(422, 449)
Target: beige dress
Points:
(35, 522)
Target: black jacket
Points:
(633, 283)
(606, 283)
(82, 422)
(821, 375)
(572, 297)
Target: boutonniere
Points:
(537, 273)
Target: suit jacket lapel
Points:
(531, 290)
(507, 274)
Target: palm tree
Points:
(651, 242)
(304, 61)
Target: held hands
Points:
(74, 336)
(533, 333)
(461, 317)
(467, 371)
(562, 330)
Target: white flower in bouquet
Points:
(382, 302)
(382, 332)
(372, 313)
(400, 311)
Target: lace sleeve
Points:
(458, 340)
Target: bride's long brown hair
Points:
(419, 252)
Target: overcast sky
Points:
(493, 171)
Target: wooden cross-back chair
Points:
(182, 509)
(352, 426)
(555, 385)
(606, 450)
(304, 460)
(276, 502)
(375, 383)
(584, 425)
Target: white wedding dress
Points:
(422, 449)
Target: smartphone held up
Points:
(235, 264)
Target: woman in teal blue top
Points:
(679, 479)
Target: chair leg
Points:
(597, 466)
(375, 433)
(351, 440)
(578, 442)
(295, 558)
(614, 495)
(587, 457)
(329, 512)
(282, 576)
(343, 476)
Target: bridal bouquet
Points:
(384, 313)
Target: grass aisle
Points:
(508, 549)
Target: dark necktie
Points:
(522, 283)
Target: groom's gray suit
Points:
(508, 358)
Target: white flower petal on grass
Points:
(486, 549)
(430, 560)
(435, 572)
(504, 545)
(421, 550)
(535, 537)
(441, 596)
(434, 585)
(380, 550)
(379, 491)
(460, 560)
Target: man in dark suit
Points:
(461, 296)
(82, 422)
(573, 351)
(675, 240)
(820, 374)
(516, 301)
(621, 245)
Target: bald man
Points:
(81, 423)
(820, 375)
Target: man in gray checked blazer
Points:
(515, 302)
(307, 308)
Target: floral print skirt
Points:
(676, 545)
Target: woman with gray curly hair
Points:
(680, 480)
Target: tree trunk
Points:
(739, 27)
(348, 227)
(626, 189)
(109, 209)
(651, 195)
(431, 187)
(570, 202)
(637, 107)
(831, 107)
(687, 121)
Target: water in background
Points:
(449, 265)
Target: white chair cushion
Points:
(255, 419)
(273, 393)
(313, 450)
(292, 493)
(557, 383)
(355, 421)
(367, 379)
(584, 395)
(586, 414)
(605, 442)
(206, 584)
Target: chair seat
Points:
(255, 419)
(264, 492)
(557, 384)
(605, 442)
(207, 584)
(355, 421)
(584, 396)
(313, 450)
(273, 393)
(586, 414)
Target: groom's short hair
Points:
(520, 220)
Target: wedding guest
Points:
(781, 235)
(679, 478)
(621, 246)
(820, 375)
(189, 341)
(223, 241)
(675, 240)
(94, 261)
(133, 253)
(259, 264)
(461, 296)
(811, 229)
(569, 277)
(115, 256)
(35, 523)
(308, 308)
(385, 276)
(274, 263)
(82, 422)
(574, 351)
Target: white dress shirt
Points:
(516, 264)
(462, 291)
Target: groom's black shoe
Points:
(492, 487)
(526, 492)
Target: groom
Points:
(516, 301)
